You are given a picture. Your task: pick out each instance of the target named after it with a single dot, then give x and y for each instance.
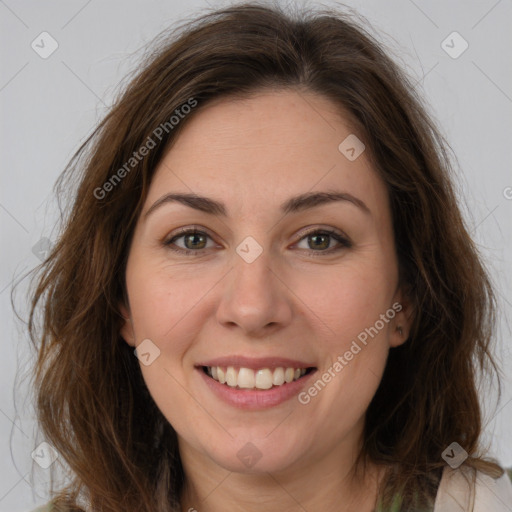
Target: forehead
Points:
(263, 149)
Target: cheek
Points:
(165, 306)
(355, 352)
(340, 397)
(343, 302)
(164, 303)
(350, 312)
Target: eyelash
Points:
(343, 241)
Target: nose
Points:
(254, 298)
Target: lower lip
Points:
(255, 399)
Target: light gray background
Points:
(48, 106)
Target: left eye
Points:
(321, 239)
(318, 241)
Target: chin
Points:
(256, 455)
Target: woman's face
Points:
(276, 282)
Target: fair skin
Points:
(297, 300)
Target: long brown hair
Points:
(92, 402)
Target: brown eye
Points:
(320, 241)
(192, 241)
(195, 241)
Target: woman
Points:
(265, 296)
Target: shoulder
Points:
(464, 490)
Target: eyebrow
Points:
(293, 205)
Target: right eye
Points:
(194, 241)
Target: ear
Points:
(127, 327)
(404, 316)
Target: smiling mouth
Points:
(249, 379)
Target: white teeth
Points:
(278, 377)
(263, 379)
(246, 378)
(231, 377)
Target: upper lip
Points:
(256, 363)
